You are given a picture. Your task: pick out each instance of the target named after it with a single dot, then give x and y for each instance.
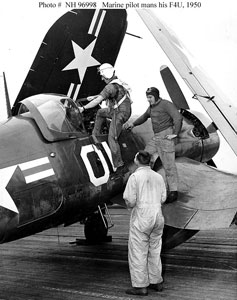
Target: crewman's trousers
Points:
(166, 151)
(118, 118)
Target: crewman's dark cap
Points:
(143, 157)
(154, 92)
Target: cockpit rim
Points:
(49, 120)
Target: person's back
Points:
(149, 188)
(144, 193)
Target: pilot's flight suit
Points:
(145, 192)
(119, 110)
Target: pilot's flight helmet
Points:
(106, 70)
(154, 92)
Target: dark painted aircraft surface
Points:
(53, 173)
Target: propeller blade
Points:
(173, 88)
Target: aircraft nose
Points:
(8, 223)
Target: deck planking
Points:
(51, 266)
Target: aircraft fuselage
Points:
(53, 173)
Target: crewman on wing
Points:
(117, 95)
(166, 123)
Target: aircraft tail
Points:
(71, 51)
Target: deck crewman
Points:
(166, 123)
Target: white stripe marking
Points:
(39, 175)
(93, 21)
(76, 92)
(100, 23)
(70, 90)
(34, 163)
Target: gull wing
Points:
(207, 197)
(204, 90)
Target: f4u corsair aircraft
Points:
(52, 172)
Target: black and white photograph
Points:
(118, 150)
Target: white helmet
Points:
(106, 70)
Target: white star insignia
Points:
(82, 60)
(5, 199)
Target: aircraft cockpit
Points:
(57, 116)
(73, 115)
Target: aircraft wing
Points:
(71, 51)
(207, 197)
(202, 203)
(204, 90)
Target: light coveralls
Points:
(144, 193)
